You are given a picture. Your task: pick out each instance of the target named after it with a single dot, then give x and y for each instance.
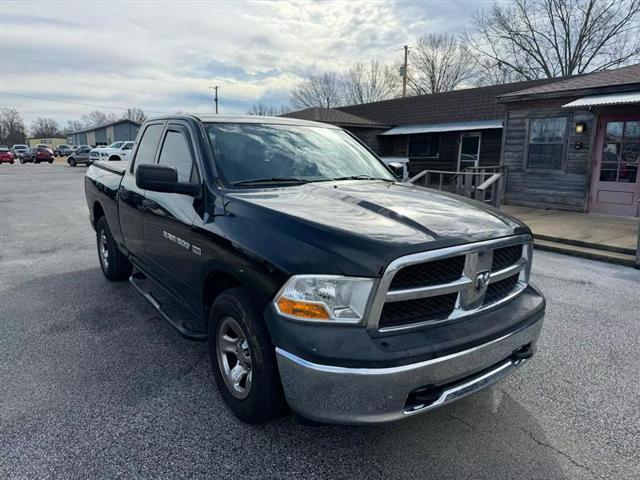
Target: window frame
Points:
(424, 157)
(134, 154)
(178, 127)
(565, 142)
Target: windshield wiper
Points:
(271, 180)
(362, 177)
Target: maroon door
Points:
(616, 180)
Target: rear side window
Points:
(148, 143)
(176, 152)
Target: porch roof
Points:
(607, 99)
(445, 127)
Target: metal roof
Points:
(607, 99)
(445, 127)
(98, 127)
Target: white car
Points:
(115, 151)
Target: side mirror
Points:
(398, 169)
(163, 179)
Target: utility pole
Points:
(404, 71)
(215, 96)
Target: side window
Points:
(148, 143)
(127, 146)
(176, 152)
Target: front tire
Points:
(114, 264)
(243, 358)
(72, 162)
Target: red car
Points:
(37, 155)
(6, 155)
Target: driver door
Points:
(169, 217)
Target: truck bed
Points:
(114, 167)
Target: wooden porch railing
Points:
(485, 184)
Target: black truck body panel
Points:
(259, 237)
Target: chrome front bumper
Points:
(373, 395)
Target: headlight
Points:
(324, 298)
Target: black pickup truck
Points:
(319, 280)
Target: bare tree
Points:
(11, 127)
(43, 127)
(266, 109)
(364, 83)
(73, 126)
(135, 114)
(323, 91)
(439, 63)
(530, 39)
(97, 118)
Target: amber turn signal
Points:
(302, 309)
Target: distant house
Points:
(444, 131)
(122, 130)
(571, 143)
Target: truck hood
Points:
(373, 218)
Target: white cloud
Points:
(163, 57)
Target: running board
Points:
(182, 329)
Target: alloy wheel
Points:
(234, 357)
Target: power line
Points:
(49, 99)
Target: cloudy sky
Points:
(63, 59)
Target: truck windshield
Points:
(247, 153)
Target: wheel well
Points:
(98, 213)
(216, 283)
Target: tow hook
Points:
(523, 352)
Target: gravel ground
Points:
(94, 385)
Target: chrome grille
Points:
(505, 257)
(432, 273)
(450, 283)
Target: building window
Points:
(621, 152)
(424, 145)
(547, 139)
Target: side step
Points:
(181, 327)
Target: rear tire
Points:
(239, 344)
(114, 264)
(35, 160)
(22, 160)
(72, 162)
(50, 161)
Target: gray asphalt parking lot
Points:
(94, 385)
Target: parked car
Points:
(62, 150)
(37, 155)
(94, 154)
(116, 151)
(319, 280)
(18, 149)
(44, 145)
(6, 155)
(78, 147)
(80, 156)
